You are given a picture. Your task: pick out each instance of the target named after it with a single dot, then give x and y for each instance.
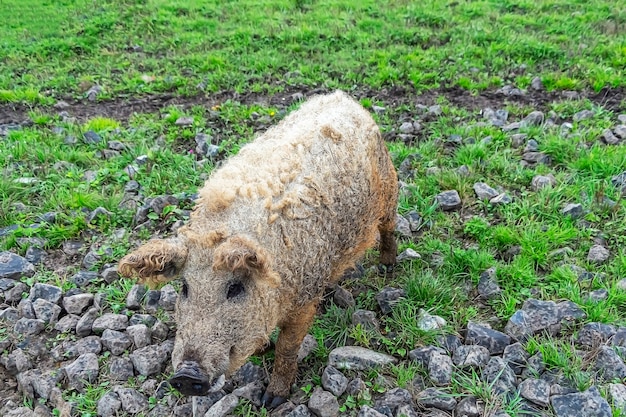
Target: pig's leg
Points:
(388, 246)
(292, 332)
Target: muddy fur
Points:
(284, 218)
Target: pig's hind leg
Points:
(290, 338)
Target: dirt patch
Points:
(124, 109)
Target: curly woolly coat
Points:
(272, 228)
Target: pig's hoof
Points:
(269, 401)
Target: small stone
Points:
(535, 118)
(135, 296)
(433, 397)
(581, 404)
(110, 321)
(77, 304)
(427, 322)
(536, 158)
(536, 84)
(543, 181)
(84, 369)
(323, 403)
(575, 211)
(343, 298)
(618, 396)
(499, 375)
(356, 387)
(598, 254)
(440, 369)
(16, 362)
(503, 198)
(358, 358)
(168, 296)
(253, 392)
(13, 266)
(83, 278)
(133, 401)
(403, 227)
(536, 391)
(583, 115)
(15, 294)
(160, 331)
(334, 381)
(598, 295)
(366, 411)
(140, 334)
(469, 407)
(121, 369)
(110, 274)
(46, 311)
(516, 357)
(148, 360)
(407, 254)
(608, 137)
(151, 301)
(308, 346)
(184, 121)
(449, 200)
(85, 324)
(609, 365)
(394, 398)
(493, 340)
(484, 191)
(366, 319)
(488, 288)
(388, 297)
(620, 131)
(422, 355)
(415, 220)
(29, 327)
(470, 356)
(46, 292)
(116, 342)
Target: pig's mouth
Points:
(191, 381)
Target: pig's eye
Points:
(235, 289)
(184, 290)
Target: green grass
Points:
(137, 47)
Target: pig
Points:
(271, 229)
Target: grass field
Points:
(225, 61)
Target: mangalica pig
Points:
(272, 227)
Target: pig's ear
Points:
(156, 262)
(239, 253)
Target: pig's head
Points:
(227, 306)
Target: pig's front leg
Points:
(292, 332)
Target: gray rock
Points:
(422, 355)
(543, 181)
(200, 405)
(582, 404)
(608, 137)
(253, 392)
(356, 387)
(25, 308)
(499, 375)
(334, 381)
(160, 331)
(388, 297)
(46, 311)
(493, 340)
(440, 369)
(151, 301)
(407, 254)
(14, 294)
(300, 411)
(110, 321)
(574, 211)
(13, 266)
(516, 357)
(29, 327)
(535, 118)
(570, 312)
(77, 304)
(83, 278)
(620, 131)
(358, 358)
(249, 373)
(116, 342)
(135, 296)
(415, 220)
(35, 255)
(140, 334)
(484, 191)
(343, 298)
(167, 299)
(536, 158)
(146, 319)
(184, 121)
(428, 322)
(394, 398)
(469, 407)
(595, 334)
(535, 316)
(598, 254)
(488, 288)
(70, 350)
(598, 295)
(308, 346)
(85, 324)
(16, 362)
(110, 274)
(133, 401)
(617, 392)
(583, 115)
(536, 391)
(223, 407)
(323, 403)
(433, 397)
(534, 366)
(536, 84)
(9, 314)
(366, 319)
(46, 292)
(403, 227)
(470, 356)
(609, 365)
(120, 369)
(84, 369)
(449, 200)
(366, 411)
(503, 198)
(148, 360)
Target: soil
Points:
(122, 109)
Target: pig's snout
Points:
(190, 380)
